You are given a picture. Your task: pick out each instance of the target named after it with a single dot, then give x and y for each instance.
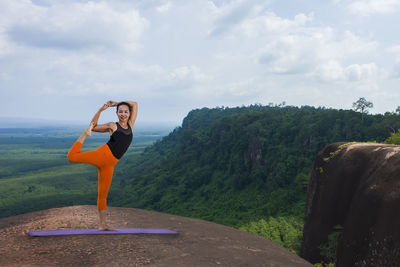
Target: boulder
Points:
(354, 197)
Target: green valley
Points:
(246, 167)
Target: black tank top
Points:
(120, 141)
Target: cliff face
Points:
(354, 194)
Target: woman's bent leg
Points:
(94, 157)
(75, 155)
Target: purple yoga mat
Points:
(98, 232)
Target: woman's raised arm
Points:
(97, 115)
(133, 116)
(104, 127)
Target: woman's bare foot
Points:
(88, 131)
(103, 224)
(106, 228)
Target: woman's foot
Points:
(103, 225)
(106, 228)
(88, 131)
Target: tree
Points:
(398, 110)
(362, 105)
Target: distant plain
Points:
(35, 173)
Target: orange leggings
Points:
(104, 160)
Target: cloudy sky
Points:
(62, 59)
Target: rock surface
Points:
(355, 188)
(199, 243)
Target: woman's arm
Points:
(97, 115)
(133, 116)
(107, 127)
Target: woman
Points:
(106, 156)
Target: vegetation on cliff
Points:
(243, 166)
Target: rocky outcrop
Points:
(199, 243)
(354, 195)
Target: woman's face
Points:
(123, 113)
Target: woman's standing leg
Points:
(104, 182)
(105, 177)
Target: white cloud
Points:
(288, 55)
(364, 72)
(85, 75)
(296, 47)
(334, 71)
(396, 71)
(231, 14)
(187, 73)
(85, 25)
(163, 8)
(270, 23)
(369, 7)
(395, 51)
(330, 71)
(10, 11)
(5, 46)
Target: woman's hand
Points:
(104, 107)
(112, 103)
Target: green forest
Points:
(247, 167)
